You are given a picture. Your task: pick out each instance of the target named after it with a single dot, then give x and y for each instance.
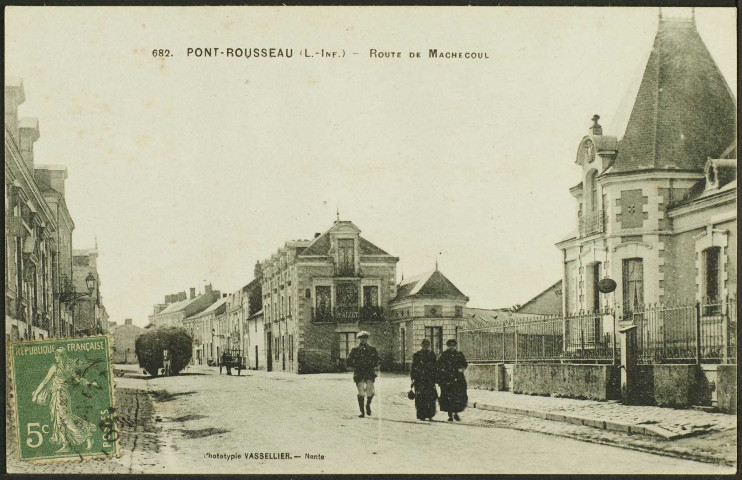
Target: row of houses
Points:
(655, 216)
(51, 289)
(308, 300)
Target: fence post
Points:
(516, 341)
(698, 332)
(503, 344)
(725, 329)
(613, 314)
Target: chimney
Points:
(167, 298)
(224, 295)
(258, 270)
(182, 296)
(193, 293)
(317, 234)
(208, 289)
(14, 96)
(28, 133)
(596, 129)
(127, 321)
(51, 176)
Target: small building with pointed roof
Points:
(426, 306)
(656, 210)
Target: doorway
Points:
(269, 342)
(435, 335)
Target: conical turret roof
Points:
(684, 111)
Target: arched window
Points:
(711, 280)
(591, 185)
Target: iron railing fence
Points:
(584, 337)
(704, 332)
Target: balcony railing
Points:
(372, 314)
(347, 314)
(592, 223)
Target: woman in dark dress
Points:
(451, 366)
(423, 373)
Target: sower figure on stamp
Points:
(54, 391)
(451, 366)
(423, 373)
(364, 360)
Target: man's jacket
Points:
(363, 359)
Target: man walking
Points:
(364, 360)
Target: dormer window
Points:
(346, 256)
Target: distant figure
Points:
(423, 374)
(226, 362)
(364, 360)
(54, 391)
(451, 366)
(165, 363)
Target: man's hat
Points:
(362, 334)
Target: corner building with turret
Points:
(317, 294)
(656, 211)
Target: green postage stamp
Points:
(63, 398)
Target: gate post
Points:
(628, 365)
(698, 333)
(725, 329)
(503, 344)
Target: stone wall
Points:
(726, 388)
(317, 355)
(489, 376)
(595, 382)
(677, 386)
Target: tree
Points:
(150, 345)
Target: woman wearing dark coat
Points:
(451, 366)
(423, 374)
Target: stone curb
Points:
(653, 430)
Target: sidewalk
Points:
(686, 433)
(668, 423)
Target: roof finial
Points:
(337, 214)
(95, 237)
(436, 263)
(595, 128)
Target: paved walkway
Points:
(668, 423)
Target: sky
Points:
(188, 170)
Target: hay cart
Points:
(232, 358)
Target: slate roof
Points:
(684, 111)
(176, 306)
(214, 307)
(321, 246)
(430, 284)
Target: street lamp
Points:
(70, 296)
